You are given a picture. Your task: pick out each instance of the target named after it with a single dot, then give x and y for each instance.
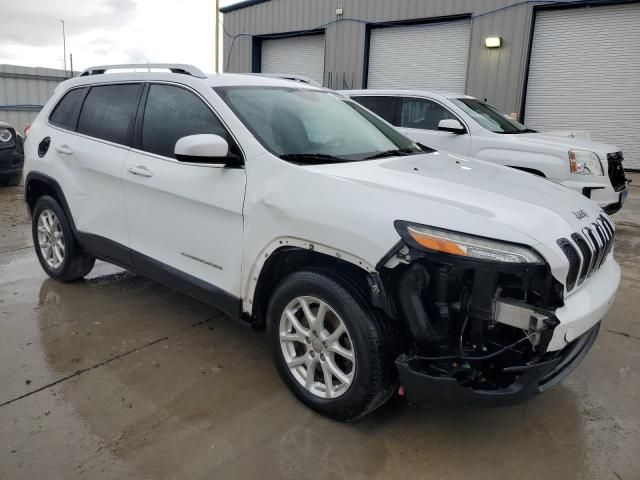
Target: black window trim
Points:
(139, 121)
(133, 146)
(89, 86)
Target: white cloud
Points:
(108, 31)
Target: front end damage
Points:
(476, 331)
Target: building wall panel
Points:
(496, 75)
(24, 90)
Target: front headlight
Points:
(5, 135)
(584, 162)
(470, 246)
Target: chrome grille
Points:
(587, 250)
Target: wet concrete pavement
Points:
(119, 377)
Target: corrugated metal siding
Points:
(429, 57)
(24, 90)
(496, 75)
(295, 55)
(585, 75)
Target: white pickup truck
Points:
(468, 126)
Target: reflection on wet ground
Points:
(119, 377)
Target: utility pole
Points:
(217, 33)
(64, 49)
(71, 61)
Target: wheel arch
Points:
(37, 185)
(287, 255)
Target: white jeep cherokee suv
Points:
(373, 263)
(468, 126)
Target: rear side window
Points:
(423, 114)
(65, 114)
(382, 106)
(109, 112)
(172, 113)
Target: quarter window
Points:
(172, 113)
(109, 112)
(382, 106)
(65, 114)
(423, 114)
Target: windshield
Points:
(489, 117)
(313, 126)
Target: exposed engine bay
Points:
(483, 325)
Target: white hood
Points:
(565, 143)
(471, 196)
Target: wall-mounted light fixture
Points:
(493, 42)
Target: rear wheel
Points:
(329, 347)
(58, 252)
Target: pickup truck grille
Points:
(587, 250)
(616, 171)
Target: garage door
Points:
(428, 57)
(585, 75)
(295, 55)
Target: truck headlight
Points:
(5, 135)
(584, 162)
(463, 245)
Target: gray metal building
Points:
(24, 91)
(561, 65)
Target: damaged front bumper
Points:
(421, 387)
(489, 333)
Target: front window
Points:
(490, 117)
(423, 114)
(312, 126)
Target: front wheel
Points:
(58, 252)
(329, 347)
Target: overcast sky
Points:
(108, 31)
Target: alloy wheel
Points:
(317, 347)
(50, 238)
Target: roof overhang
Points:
(241, 5)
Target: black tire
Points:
(76, 263)
(374, 380)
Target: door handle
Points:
(64, 149)
(140, 170)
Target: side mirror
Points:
(451, 125)
(204, 148)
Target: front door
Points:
(419, 119)
(184, 218)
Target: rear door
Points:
(419, 119)
(384, 106)
(184, 217)
(93, 128)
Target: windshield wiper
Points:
(390, 153)
(314, 158)
(527, 130)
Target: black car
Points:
(11, 155)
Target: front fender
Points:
(251, 280)
(549, 164)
